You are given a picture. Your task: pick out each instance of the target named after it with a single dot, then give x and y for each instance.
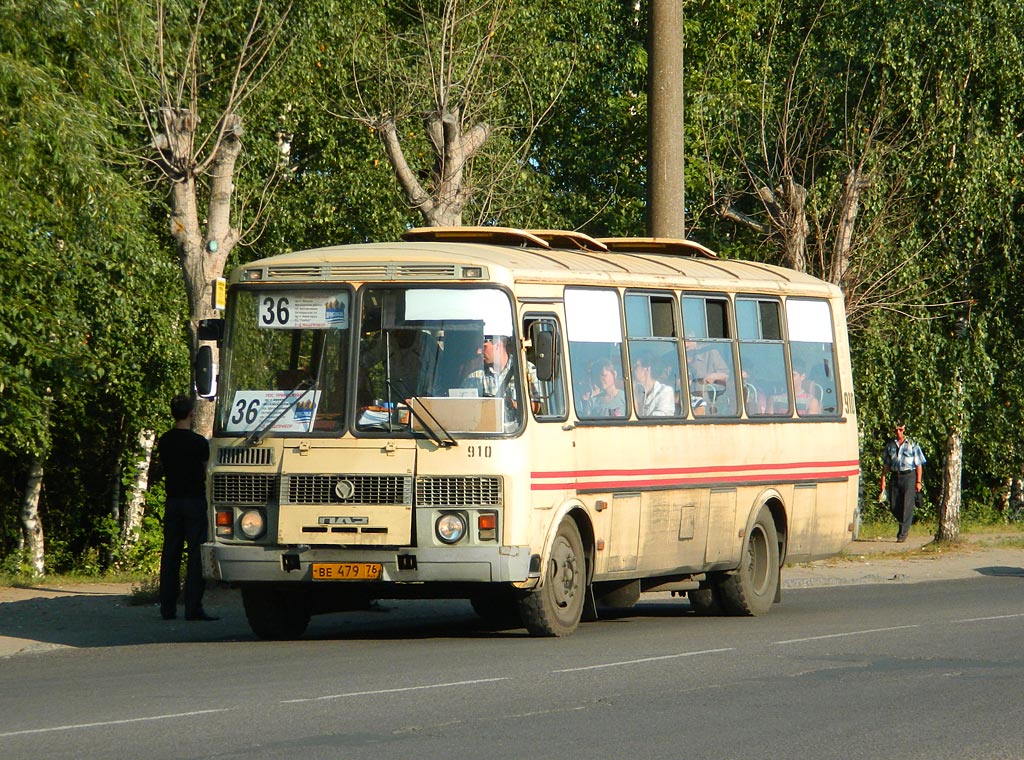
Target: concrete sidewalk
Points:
(83, 615)
(919, 559)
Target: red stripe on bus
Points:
(697, 479)
(689, 470)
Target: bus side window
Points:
(762, 357)
(652, 340)
(547, 395)
(812, 352)
(594, 327)
(710, 367)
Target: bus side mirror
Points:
(544, 354)
(206, 373)
(210, 329)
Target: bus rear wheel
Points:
(555, 608)
(751, 589)
(275, 615)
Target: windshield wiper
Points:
(283, 406)
(443, 443)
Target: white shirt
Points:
(659, 401)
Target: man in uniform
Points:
(905, 460)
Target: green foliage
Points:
(92, 318)
(87, 334)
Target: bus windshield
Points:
(429, 360)
(287, 363)
(439, 358)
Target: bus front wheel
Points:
(555, 608)
(275, 615)
(751, 589)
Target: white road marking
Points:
(848, 633)
(100, 724)
(644, 659)
(994, 617)
(390, 691)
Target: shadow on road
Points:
(1005, 572)
(47, 618)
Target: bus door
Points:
(552, 444)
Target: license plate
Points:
(346, 571)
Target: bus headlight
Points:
(450, 527)
(252, 524)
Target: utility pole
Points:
(666, 185)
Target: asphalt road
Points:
(886, 669)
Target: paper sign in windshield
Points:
(290, 411)
(303, 310)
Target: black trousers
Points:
(184, 526)
(904, 494)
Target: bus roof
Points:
(514, 255)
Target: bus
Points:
(541, 422)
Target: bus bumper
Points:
(243, 564)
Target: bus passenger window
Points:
(762, 357)
(595, 353)
(709, 358)
(653, 354)
(812, 352)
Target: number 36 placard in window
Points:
(280, 411)
(299, 311)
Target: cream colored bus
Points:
(537, 421)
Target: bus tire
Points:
(555, 607)
(751, 589)
(276, 615)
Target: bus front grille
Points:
(245, 455)
(459, 491)
(346, 489)
(242, 488)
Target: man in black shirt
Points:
(183, 456)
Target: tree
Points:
(591, 153)
(477, 76)
(83, 309)
(207, 60)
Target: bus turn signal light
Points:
(487, 526)
(224, 520)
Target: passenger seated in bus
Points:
(289, 379)
(605, 398)
(807, 402)
(705, 365)
(709, 374)
(667, 372)
(653, 398)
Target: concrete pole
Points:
(666, 186)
